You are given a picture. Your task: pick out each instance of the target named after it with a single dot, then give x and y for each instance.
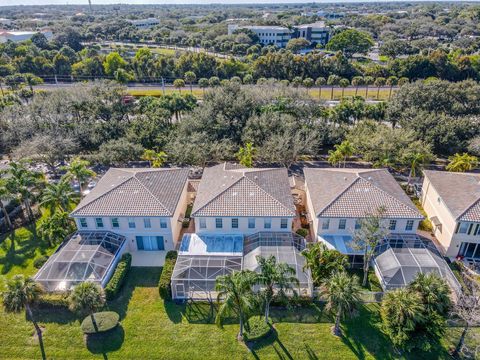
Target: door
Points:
(179, 291)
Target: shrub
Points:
(302, 232)
(164, 288)
(118, 277)
(38, 262)
(256, 328)
(53, 300)
(106, 320)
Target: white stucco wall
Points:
(242, 225)
(350, 226)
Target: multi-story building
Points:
(452, 203)
(146, 206)
(316, 33)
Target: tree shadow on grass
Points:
(272, 340)
(311, 314)
(57, 315)
(106, 342)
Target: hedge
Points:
(116, 281)
(164, 288)
(105, 320)
(53, 300)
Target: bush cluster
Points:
(118, 277)
(105, 320)
(256, 328)
(302, 232)
(164, 288)
(38, 262)
(53, 300)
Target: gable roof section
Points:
(135, 192)
(231, 190)
(354, 193)
(460, 192)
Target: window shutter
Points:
(160, 243)
(140, 242)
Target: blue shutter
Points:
(160, 245)
(139, 243)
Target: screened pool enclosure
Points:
(86, 256)
(202, 258)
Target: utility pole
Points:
(90, 5)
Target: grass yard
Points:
(152, 329)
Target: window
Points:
(342, 224)
(326, 224)
(283, 223)
(462, 229)
(409, 226)
(115, 223)
(150, 243)
(358, 225)
(163, 223)
(131, 223)
(147, 224)
(99, 222)
(392, 225)
(218, 223)
(267, 223)
(203, 223)
(83, 223)
(251, 223)
(234, 223)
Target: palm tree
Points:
(58, 196)
(391, 81)
(308, 83)
(21, 293)
(78, 168)
(342, 293)
(190, 78)
(434, 291)
(333, 80)
(357, 81)
(345, 149)
(5, 194)
(321, 81)
(275, 275)
(156, 159)
(379, 82)
(368, 80)
(86, 298)
(55, 227)
(462, 162)
(179, 84)
(235, 292)
(245, 155)
(344, 84)
(23, 182)
(323, 262)
(415, 160)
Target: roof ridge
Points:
(336, 197)
(156, 198)
(101, 196)
(268, 194)
(216, 196)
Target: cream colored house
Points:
(146, 206)
(452, 203)
(338, 198)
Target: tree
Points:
(321, 81)
(203, 83)
(23, 182)
(342, 151)
(297, 44)
(245, 155)
(414, 158)
(5, 194)
(434, 292)
(379, 82)
(113, 62)
(343, 84)
(248, 79)
(214, 81)
(273, 275)
(179, 84)
(235, 293)
(118, 152)
(156, 159)
(190, 78)
(308, 83)
(21, 293)
(79, 170)
(297, 81)
(401, 311)
(351, 42)
(31, 80)
(370, 232)
(323, 262)
(368, 80)
(58, 195)
(357, 81)
(342, 293)
(332, 81)
(55, 228)
(391, 81)
(462, 162)
(87, 298)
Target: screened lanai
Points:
(86, 256)
(399, 258)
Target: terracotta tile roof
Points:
(460, 192)
(134, 192)
(353, 193)
(231, 190)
